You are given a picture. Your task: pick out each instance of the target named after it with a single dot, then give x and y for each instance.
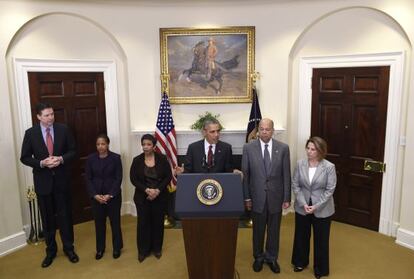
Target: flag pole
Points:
(255, 114)
(166, 141)
(255, 77)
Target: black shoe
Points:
(158, 255)
(73, 258)
(48, 260)
(141, 258)
(99, 255)
(257, 265)
(298, 269)
(274, 266)
(116, 254)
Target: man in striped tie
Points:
(49, 148)
(266, 185)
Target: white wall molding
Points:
(396, 62)
(108, 68)
(12, 243)
(405, 238)
(185, 137)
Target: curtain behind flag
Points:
(254, 119)
(165, 134)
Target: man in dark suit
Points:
(209, 154)
(266, 183)
(49, 148)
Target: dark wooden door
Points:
(349, 110)
(78, 100)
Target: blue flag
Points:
(254, 119)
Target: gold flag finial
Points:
(165, 80)
(31, 194)
(254, 76)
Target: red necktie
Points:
(49, 142)
(210, 156)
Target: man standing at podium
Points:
(266, 185)
(209, 154)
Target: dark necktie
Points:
(49, 142)
(266, 159)
(210, 156)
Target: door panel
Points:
(78, 100)
(349, 110)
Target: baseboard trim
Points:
(12, 243)
(394, 229)
(405, 238)
(388, 227)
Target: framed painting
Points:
(211, 65)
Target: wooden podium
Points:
(210, 221)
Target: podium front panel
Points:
(189, 205)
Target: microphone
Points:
(204, 163)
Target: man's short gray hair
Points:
(209, 122)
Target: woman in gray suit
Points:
(313, 183)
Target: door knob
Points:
(374, 166)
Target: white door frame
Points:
(21, 68)
(392, 136)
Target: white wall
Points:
(57, 36)
(350, 32)
(405, 234)
(346, 32)
(128, 34)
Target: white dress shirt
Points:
(269, 147)
(206, 147)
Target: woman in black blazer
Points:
(150, 173)
(103, 180)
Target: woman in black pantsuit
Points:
(103, 180)
(150, 173)
(313, 183)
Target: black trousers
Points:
(112, 210)
(150, 227)
(269, 223)
(56, 211)
(321, 230)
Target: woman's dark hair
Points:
(320, 145)
(103, 136)
(150, 138)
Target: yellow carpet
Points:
(355, 253)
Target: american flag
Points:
(165, 134)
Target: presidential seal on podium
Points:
(209, 192)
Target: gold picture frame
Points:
(208, 65)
